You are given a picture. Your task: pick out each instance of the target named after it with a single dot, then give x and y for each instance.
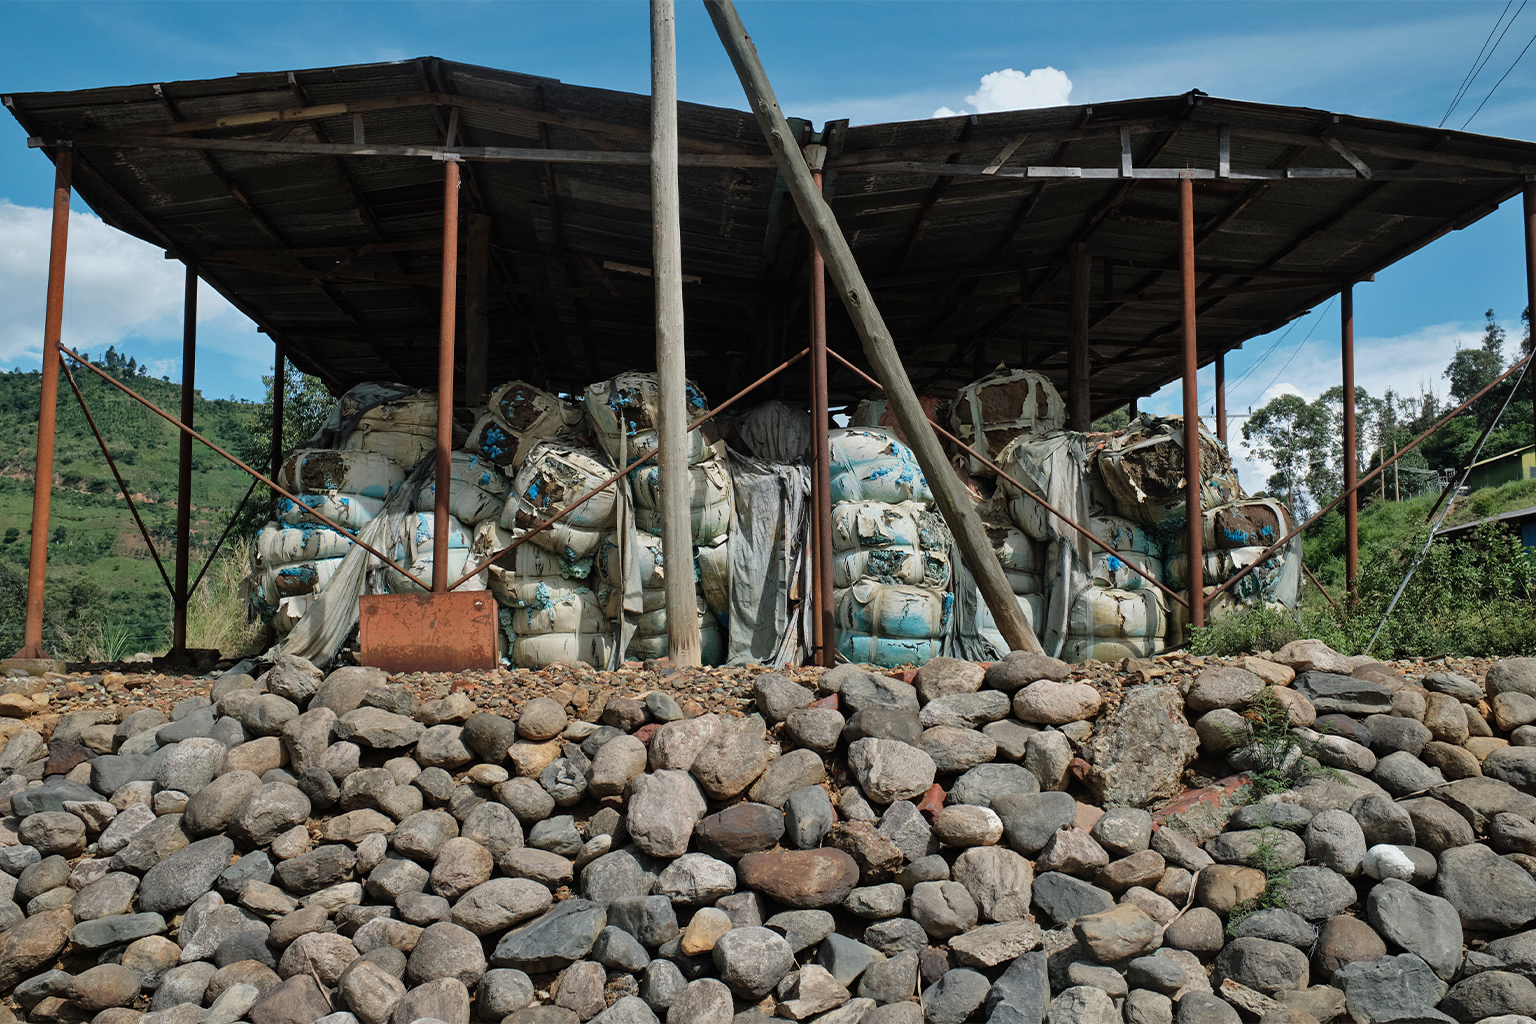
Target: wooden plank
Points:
(488, 154)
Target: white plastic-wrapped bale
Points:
(1032, 604)
(352, 511)
(1123, 535)
(903, 543)
(1234, 536)
(404, 429)
(477, 490)
(1107, 624)
(284, 545)
(650, 639)
(1113, 571)
(1001, 406)
(321, 470)
(1022, 557)
(567, 627)
(1041, 465)
(871, 465)
(624, 409)
(555, 476)
(713, 565)
(1144, 470)
(530, 577)
(414, 553)
(709, 499)
(518, 415)
(890, 624)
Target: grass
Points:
(1277, 882)
(104, 594)
(1276, 750)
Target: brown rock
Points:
(104, 986)
(877, 855)
(1223, 886)
(1273, 673)
(32, 946)
(1144, 869)
(1343, 940)
(1117, 933)
(296, 1001)
(64, 755)
(800, 878)
(1072, 851)
(1454, 761)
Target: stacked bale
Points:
(403, 429)
(554, 615)
(516, 415)
(1023, 559)
(295, 557)
(892, 600)
(1005, 404)
(623, 412)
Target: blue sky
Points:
(866, 61)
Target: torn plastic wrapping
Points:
(767, 551)
(1005, 404)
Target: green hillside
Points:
(104, 594)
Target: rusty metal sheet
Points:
(428, 632)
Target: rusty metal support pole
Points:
(1351, 459)
(184, 462)
(279, 387)
(1195, 527)
(824, 632)
(445, 333)
(1529, 204)
(1221, 397)
(42, 480)
(1080, 272)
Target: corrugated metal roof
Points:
(961, 225)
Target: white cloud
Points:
(1009, 89)
(118, 291)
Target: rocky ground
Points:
(1300, 837)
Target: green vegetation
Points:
(1471, 596)
(1275, 751)
(105, 598)
(1304, 440)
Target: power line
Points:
(1299, 346)
(1259, 361)
(1466, 80)
(1498, 83)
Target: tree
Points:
(306, 404)
(1288, 433)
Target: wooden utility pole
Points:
(671, 364)
(954, 503)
